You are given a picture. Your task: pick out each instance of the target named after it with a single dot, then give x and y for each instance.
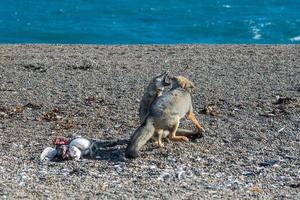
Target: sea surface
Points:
(150, 22)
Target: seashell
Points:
(75, 153)
(48, 154)
(82, 144)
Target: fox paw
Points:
(184, 139)
(161, 145)
(180, 139)
(201, 130)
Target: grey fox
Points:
(155, 89)
(164, 115)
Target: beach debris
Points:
(94, 99)
(84, 65)
(164, 176)
(213, 125)
(255, 189)
(248, 173)
(205, 151)
(290, 157)
(295, 185)
(33, 106)
(23, 178)
(284, 100)
(51, 116)
(280, 130)
(273, 113)
(65, 148)
(54, 115)
(118, 168)
(180, 173)
(282, 106)
(66, 124)
(90, 99)
(211, 109)
(187, 66)
(18, 109)
(270, 114)
(267, 163)
(117, 125)
(225, 140)
(3, 114)
(78, 172)
(34, 67)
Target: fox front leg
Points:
(191, 116)
(159, 137)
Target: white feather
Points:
(74, 152)
(82, 144)
(48, 154)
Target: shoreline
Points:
(145, 45)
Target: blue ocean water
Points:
(148, 22)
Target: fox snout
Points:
(166, 81)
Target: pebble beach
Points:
(247, 98)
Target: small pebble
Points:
(248, 173)
(3, 114)
(117, 125)
(290, 157)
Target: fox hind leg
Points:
(175, 137)
(191, 116)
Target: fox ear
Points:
(192, 86)
(189, 86)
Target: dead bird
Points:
(74, 148)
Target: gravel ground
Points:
(247, 98)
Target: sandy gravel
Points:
(251, 147)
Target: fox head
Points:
(180, 81)
(160, 81)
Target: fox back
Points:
(177, 101)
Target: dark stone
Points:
(267, 163)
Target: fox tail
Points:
(139, 138)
